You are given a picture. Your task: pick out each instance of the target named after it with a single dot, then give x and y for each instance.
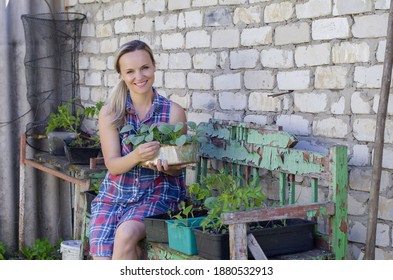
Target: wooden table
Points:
(79, 175)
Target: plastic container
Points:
(181, 237)
(71, 250)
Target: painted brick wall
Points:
(223, 58)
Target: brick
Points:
(330, 77)
(385, 209)
(227, 116)
(166, 22)
(314, 9)
(154, 6)
(360, 178)
(197, 39)
(360, 103)
(232, 101)
(368, 77)
(292, 34)
(133, 7)
(338, 106)
(183, 101)
(172, 41)
(204, 101)
(88, 30)
(103, 30)
(162, 60)
(144, 24)
(180, 61)
(91, 47)
(231, 2)
(350, 7)
(199, 81)
(261, 101)
(228, 38)
(357, 232)
(108, 45)
(205, 61)
(97, 63)
(124, 26)
(204, 3)
(293, 80)
(178, 5)
(381, 51)
(243, 59)
(113, 11)
(361, 156)
(357, 203)
(330, 28)
(198, 117)
(249, 15)
(382, 4)
(364, 129)
(370, 26)
(312, 55)
(312, 102)
(258, 119)
(193, 19)
(256, 36)
(295, 124)
(331, 127)
(376, 104)
(93, 78)
(277, 58)
(259, 79)
(277, 12)
(227, 81)
(348, 52)
(218, 17)
(175, 80)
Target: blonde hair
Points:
(118, 96)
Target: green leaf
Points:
(137, 140)
(149, 137)
(178, 127)
(192, 125)
(181, 140)
(127, 128)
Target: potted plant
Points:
(64, 128)
(180, 234)
(224, 193)
(176, 147)
(156, 226)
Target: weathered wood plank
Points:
(238, 242)
(254, 247)
(280, 212)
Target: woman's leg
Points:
(127, 236)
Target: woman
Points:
(130, 192)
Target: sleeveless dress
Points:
(136, 194)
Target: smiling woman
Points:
(133, 190)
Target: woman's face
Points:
(137, 71)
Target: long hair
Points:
(118, 96)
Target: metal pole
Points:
(379, 142)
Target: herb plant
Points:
(68, 122)
(223, 193)
(164, 133)
(41, 250)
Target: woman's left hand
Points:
(163, 166)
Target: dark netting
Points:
(51, 63)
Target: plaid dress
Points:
(139, 193)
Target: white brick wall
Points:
(223, 58)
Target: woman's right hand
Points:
(147, 151)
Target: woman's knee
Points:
(130, 231)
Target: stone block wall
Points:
(225, 58)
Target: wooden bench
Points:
(250, 150)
